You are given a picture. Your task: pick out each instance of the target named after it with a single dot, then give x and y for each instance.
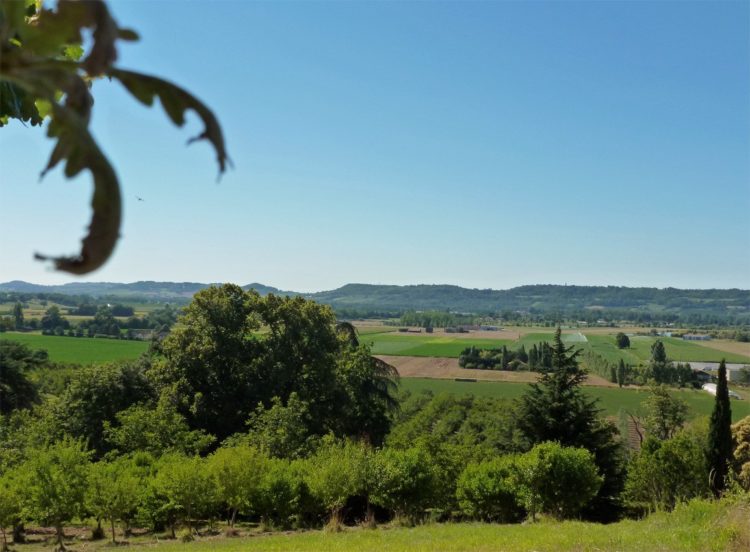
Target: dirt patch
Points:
(727, 346)
(448, 368)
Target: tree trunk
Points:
(370, 516)
(233, 518)
(60, 537)
(5, 540)
(112, 524)
(19, 533)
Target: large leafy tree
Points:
(556, 409)
(719, 449)
(234, 350)
(46, 73)
(16, 361)
(209, 364)
(95, 395)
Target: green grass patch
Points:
(612, 400)
(426, 344)
(80, 350)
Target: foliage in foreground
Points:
(45, 73)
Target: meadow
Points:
(612, 400)
(80, 350)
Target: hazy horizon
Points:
(300, 290)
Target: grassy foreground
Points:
(700, 526)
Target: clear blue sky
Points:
(479, 144)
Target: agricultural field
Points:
(450, 345)
(426, 345)
(612, 399)
(448, 368)
(80, 350)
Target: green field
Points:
(80, 350)
(700, 526)
(394, 343)
(611, 399)
(426, 344)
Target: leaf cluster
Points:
(45, 72)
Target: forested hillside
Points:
(693, 306)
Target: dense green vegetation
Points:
(267, 411)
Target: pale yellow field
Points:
(726, 346)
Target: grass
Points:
(700, 526)
(80, 350)
(425, 344)
(611, 399)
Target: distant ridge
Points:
(700, 305)
(147, 289)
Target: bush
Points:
(282, 497)
(487, 492)
(556, 480)
(403, 481)
(666, 473)
(338, 471)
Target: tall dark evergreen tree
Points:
(621, 373)
(556, 409)
(658, 352)
(719, 451)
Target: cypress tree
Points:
(621, 373)
(719, 451)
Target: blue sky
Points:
(475, 143)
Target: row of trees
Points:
(104, 321)
(537, 359)
(58, 483)
(435, 319)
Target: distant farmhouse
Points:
(696, 337)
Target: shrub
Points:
(666, 473)
(337, 472)
(556, 480)
(487, 492)
(236, 473)
(403, 481)
(282, 495)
